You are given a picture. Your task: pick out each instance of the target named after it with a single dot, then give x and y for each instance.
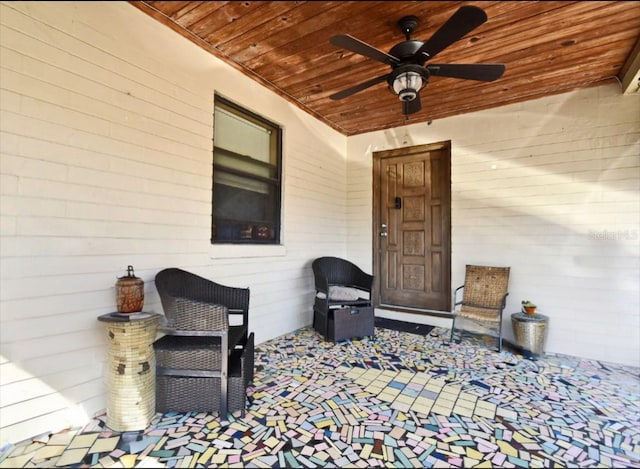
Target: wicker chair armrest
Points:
(504, 302)
(321, 283)
(362, 281)
(236, 299)
(457, 298)
(365, 281)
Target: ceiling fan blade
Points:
(356, 45)
(362, 86)
(411, 107)
(462, 22)
(480, 72)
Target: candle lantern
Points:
(130, 293)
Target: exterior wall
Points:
(550, 187)
(106, 134)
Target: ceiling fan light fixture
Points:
(407, 84)
(407, 81)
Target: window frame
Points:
(275, 182)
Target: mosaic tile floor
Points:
(397, 400)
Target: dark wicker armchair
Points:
(331, 272)
(484, 295)
(185, 296)
(205, 360)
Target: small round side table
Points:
(131, 374)
(531, 332)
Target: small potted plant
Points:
(528, 307)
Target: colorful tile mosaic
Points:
(395, 400)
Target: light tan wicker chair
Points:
(481, 300)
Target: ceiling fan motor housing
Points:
(405, 50)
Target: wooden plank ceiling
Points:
(548, 48)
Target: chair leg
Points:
(453, 325)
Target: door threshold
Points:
(421, 311)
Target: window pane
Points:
(241, 136)
(246, 177)
(243, 209)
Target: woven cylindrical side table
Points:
(531, 332)
(131, 372)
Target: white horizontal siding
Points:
(106, 140)
(551, 188)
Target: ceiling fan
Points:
(407, 59)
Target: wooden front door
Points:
(412, 228)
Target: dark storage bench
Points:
(188, 383)
(351, 321)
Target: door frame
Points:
(378, 156)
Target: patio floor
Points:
(396, 400)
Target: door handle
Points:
(383, 234)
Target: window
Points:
(247, 155)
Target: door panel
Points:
(412, 228)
